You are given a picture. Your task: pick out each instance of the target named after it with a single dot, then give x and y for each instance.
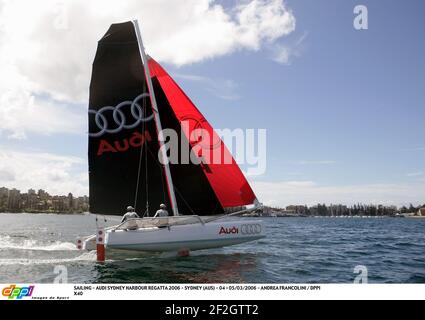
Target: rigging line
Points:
(138, 178)
(140, 159)
(181, 196)
(175, 188)
(162, 173)
(146, 163)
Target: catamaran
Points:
(132, 100)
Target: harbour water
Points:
(296, 250)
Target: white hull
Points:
(183, 237)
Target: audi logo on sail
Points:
(251, 229)
(119, 116)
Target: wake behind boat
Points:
(135, 110)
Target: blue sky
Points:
(344, 115)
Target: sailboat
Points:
(132, 100)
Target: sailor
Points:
(162, 212)
(131, 214)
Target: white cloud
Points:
(6, 175)
(53, 173)
(21, 111)
(47, 47)
(284, 53)
(285, 193)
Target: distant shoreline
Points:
(43, 212)
(244, 216)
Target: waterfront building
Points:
(15, 201)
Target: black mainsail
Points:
(118, 130)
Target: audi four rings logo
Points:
(119, 116)
(251, 229)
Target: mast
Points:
(168, 177)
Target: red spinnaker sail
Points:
(227, 180)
